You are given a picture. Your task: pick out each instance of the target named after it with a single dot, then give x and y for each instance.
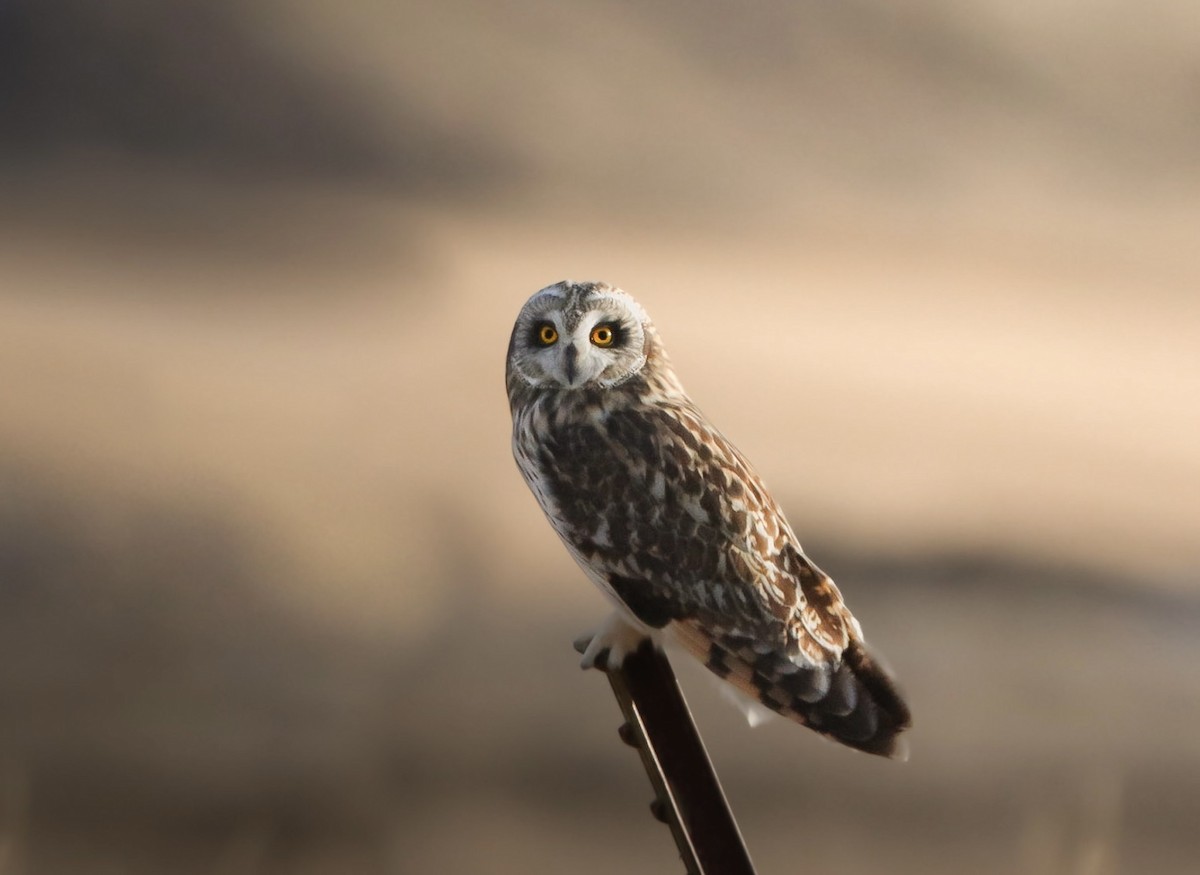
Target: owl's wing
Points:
(670, 517)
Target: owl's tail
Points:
(854, 701)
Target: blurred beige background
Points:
(273, 598)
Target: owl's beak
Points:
(570, 355)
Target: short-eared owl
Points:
(672, 523)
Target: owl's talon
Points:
(607, 647)
(595, 657)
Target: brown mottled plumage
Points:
(670, 520)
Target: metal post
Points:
(690, 800)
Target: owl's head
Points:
(575, 335)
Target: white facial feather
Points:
(573, 360)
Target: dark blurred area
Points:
(272, 595)
(206, 88)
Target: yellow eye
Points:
(602, 335)
(547, 335)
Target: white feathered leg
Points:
(607, 647)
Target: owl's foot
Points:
(607, 647)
